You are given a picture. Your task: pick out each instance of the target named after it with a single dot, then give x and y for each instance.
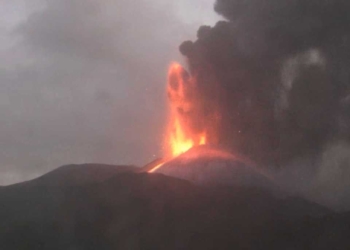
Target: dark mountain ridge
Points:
(96, 206)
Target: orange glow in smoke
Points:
(183, 129)
(181, 90)
(180, 141)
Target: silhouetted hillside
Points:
(110, 207)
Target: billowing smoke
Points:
(282, 72)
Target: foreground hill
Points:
(113, 207)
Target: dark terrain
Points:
(113, 207)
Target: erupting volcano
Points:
(183, 132)
(191, 152)
(185, 128)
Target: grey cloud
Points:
(83, 81)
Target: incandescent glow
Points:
(182, 134)
(156, 167)
(180, 142)
(187, 125)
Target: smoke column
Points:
(282, 71)
(277, 73)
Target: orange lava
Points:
(181, 135)
(180, 141)
(156, 167)
(185, 127)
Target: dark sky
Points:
(83, 80)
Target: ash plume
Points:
(281, 69)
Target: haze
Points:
(83, 80)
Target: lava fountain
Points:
(185, 129)
(191, 151)
(184, 132)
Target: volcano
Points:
(113, 207)
(267, 83)
(210, 166)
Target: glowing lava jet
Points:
(191, 151)
(184, 129)
(193, 121)
(183, 132)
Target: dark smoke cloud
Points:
(292, 25)
(282, 71)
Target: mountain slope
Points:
(116, 208)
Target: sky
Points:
(83, 81)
